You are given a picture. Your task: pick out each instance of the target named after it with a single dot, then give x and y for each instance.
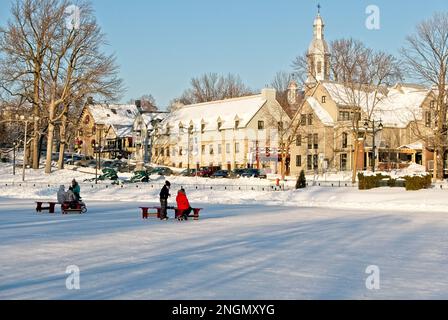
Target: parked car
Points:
(188, 173)
(238, 172)
(207, 171)
(254, 173)
(161, 171)
(84, 162)
(221, 174)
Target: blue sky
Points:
(161, 44)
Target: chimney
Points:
(269, 94)
(90, 101)
(138, 104)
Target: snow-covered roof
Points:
(114, 114)
(396, 106)
(401, 106)
(149, 117)
(413, 146)
(321, 113)
(210, 113)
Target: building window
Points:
(280, 126)
(344, 162)
(228, 148)
(162, 152)
(303, 120)
(203, 149)
(316, 162)
(324, 99)
(202, 128)
(309, 162)
(428, 119)
(344, 116)
(219, 125)
(316, 141)
(319, 66)
(219, 149)
(237, 124)
(310, 119)
(237, 147)
(212, 152)
(167, 151)
(432, 104)
(180, 151)
(344, 140)
(298, 161)
(260, 125)
(299, 141)
(310, 141)
(156, 152)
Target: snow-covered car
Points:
(254, 173)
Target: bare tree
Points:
(56, 65)
(281, 83)
(212, 87)
(363, 75)
(148, 103)
(426, 57)
(24, 42)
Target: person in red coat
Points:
(183, 204)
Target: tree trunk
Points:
(62, 143)
(50, 136)
(355, 161)
(36, 113)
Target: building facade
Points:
(234, 133)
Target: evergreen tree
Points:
(301, 182)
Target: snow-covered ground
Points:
(250, 244)
(235, 252)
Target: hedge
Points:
(410, 183)
(418, 182)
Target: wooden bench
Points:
(194, 215)
(146, 214)
(178, 213)
(40, 206)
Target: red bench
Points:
(40, 206)
(178, 213)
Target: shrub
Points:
(301, 181)
(418, 182)
(371, 182)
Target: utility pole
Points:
(14, 159)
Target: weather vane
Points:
(318, 8)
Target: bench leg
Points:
(145, 213)
(51, 209)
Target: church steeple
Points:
(318, 53)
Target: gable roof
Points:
(226, 111)
(396, 106)
(321, 113)
(114, 114)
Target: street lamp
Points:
(14, 158)
(375, 128)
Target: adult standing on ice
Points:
(76, 190)
(164, 195)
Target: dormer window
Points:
(202, 128)
(237, 124)
(113, 111)
(108, 115)
(324, 99)
(219, 125)
(129, 111)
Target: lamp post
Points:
(372, 124)
(14, 158)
